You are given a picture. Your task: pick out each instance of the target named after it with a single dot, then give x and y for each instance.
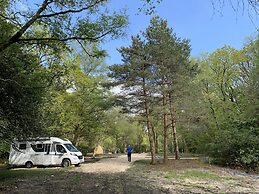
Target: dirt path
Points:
(113, 176)
(110, 165)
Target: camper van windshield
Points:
(71, 148)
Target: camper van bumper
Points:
(77, 159)
(74, 160)
(81, 158)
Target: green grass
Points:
(193, 174)
(140, 166)
(13, 173)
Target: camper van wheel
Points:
(66, 163)
(28, 164)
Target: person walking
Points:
(129, 152)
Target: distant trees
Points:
(224, 100)
(121, 130)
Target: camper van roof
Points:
(54, 139)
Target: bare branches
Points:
(237, 5)
(72, 10)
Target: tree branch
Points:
(71, 10)
(64, 39)
(19, 33)
(10, 80)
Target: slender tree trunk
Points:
(176, 147)
(149, 124)
(156, 141)
(151, 138)
(173, 121)
(206, 90)
(213, 113)
(165, 130)
(76, 135)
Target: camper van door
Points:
(42, 155)
(48, 155)
(59, 153)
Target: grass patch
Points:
(140, 166)
(12, 174)
(193, 174)
(171, 175)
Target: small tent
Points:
(98, 150)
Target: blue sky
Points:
(196, 20)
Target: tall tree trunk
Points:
(176, 147)
(206, 90)
(156, 140)
(76, 134)
(213, 113)
(150, 129)
(151, 137)
(165, 130)
(173, 121)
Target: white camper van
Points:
(44, 151)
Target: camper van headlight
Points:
(73, 154)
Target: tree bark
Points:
(156, 140)
(76, 134)
(173, 120)
(149, 125)
(165, 130)
(176, 147)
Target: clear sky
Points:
(196, 20)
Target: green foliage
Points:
(121, 130)
(223, 122)
(155, 67)
(237, 145)
(23, 83)
(51, 25)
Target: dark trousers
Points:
(129, 157)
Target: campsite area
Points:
(116, 175)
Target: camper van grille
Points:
(80, 157)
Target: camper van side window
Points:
(60, 149)
(38, 147)
(22, 146)
(47, 148)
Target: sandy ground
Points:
(110, 165)
(113, 176)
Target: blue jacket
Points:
(129, 149)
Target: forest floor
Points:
(118, 176)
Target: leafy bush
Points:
(237, 146)
(4, 149)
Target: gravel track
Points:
(110, 165)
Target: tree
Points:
(228, 133)
(150, 76)
(134, 78)
(76, 110)
(169, 56)
(122, 130)
(59, 22)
